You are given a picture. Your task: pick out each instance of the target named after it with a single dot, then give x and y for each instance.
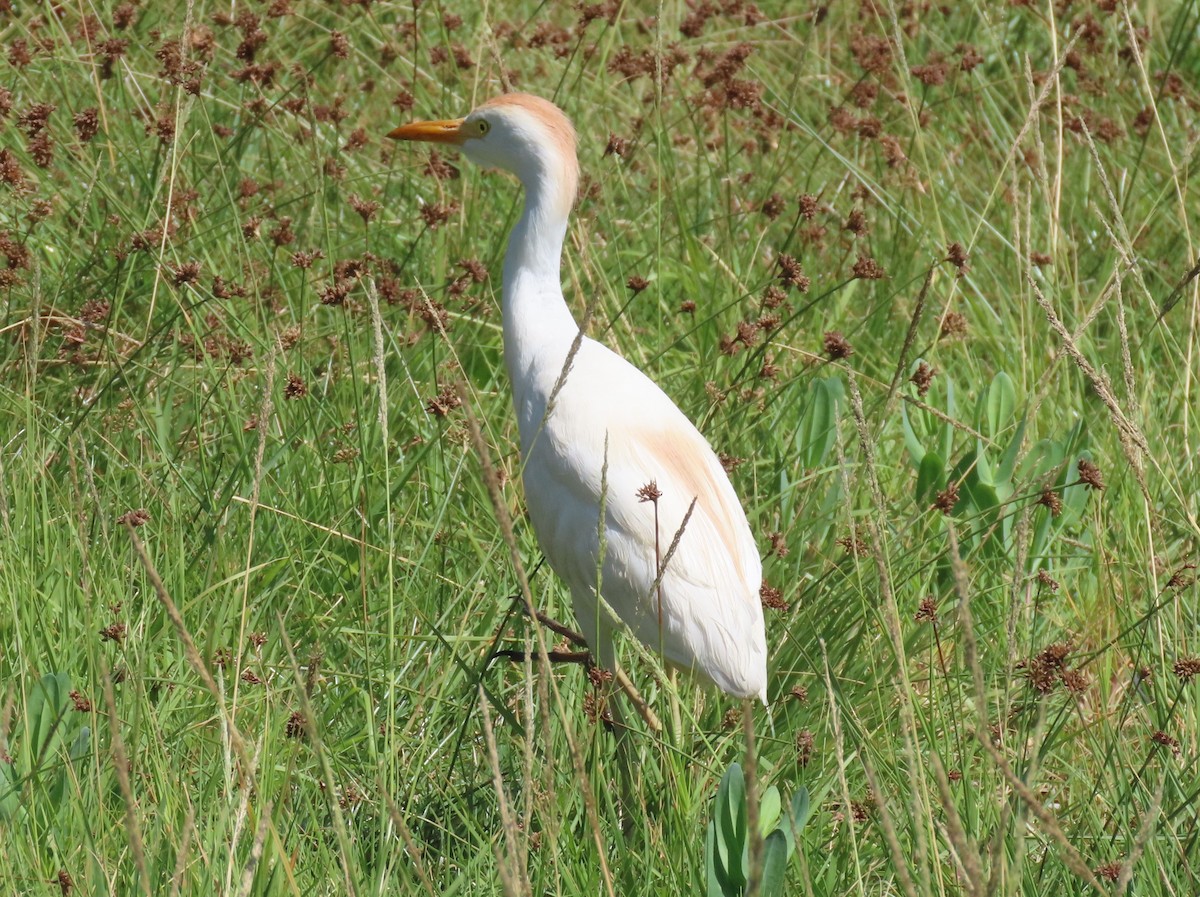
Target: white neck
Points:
(538, 326)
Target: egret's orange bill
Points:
(449, 131)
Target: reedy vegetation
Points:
(233, 310)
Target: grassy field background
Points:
(919, 272)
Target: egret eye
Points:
(482, 127)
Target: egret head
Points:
(516, 132)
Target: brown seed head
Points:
(947, 498)
(1051, 500)
(113, 632)
(730, 462)
(138, 517)
(1187, 668)
(1182, 578)
(866, 268)
(366, 208)
(87, 124)
(616, 146)
(954, 324)
(1162, 739)
(957, 256)
(295, 388)
(927, 612)
(791, 274)
(804, 746)
(1046, 580)
(922, 378)
(649, 492)
(295, 728)
(771, 597)
(444, 402)
(188, 272)
(836, 346)
(772, 207)
(1089, 474)
(1075, 681)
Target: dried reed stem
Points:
(133, 828)
(192, 653)
(510, 861)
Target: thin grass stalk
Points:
(835, 719)
(1141, 839)
(899, 863)
(510, 859)
(192, 653)
(754, 876)
(410, 845)
(1071, 856)
(133, 828)
(919, 804)
(967, 852)
(264, 425)
(256, 850)
(183, 854)
(304, 693)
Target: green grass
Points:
(331, 546)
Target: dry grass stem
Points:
(899, 860)
(1071, 857)
(910, 337)
(1141, 839)
(411, 847)
(510, 856)
(256, 850)
(966, 852)
(133, 828)
(1129, 432)
(304, 691)
(184, 853)
(192, 653)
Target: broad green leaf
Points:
(775, 857)
(47, 704)
(1008, 459)
(983, 469)
(736, 829)
(711, 877)
(731, 825)
(1044, 457)
(931, 477)
(818, 425)
(801, 807)
(1001, 400)
(769, 808)
(952, 413)
(915, 449)
(10, 791)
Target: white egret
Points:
(706, 616)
